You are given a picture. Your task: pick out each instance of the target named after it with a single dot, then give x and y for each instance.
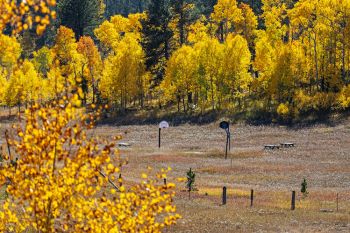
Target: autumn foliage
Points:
(57, 178)
(26, 14)
(63, 180)
(292, 57)
(288, 60)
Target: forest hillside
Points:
(278, 60)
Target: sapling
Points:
(304, 188)
(190, 183)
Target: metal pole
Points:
(159, 137)
(229, 142)
(226, 147)
(229, 138)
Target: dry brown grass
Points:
(321, 156)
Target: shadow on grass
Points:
(155, 117)
(8, 118)
(255, 118)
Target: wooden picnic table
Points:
(271, 147)
(287, 144)
(124, 144)
(282, 145)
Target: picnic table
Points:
(271, 147)
(287, 144)
(124, 144)
(282, 145)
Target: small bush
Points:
(304, 188)
(190, 183)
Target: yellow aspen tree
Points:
(248, 25)
(43, 59)
(111, 32)
(124, 76)
(66, 57)
(323, 27)
(179, 83)
(344, 97)
(304, 16)
(3, 84)
(235, 66)
(63, 179)
(54, 84)
(226, 14)
(198, 31)
(182, 17)
(32, 83)
(264, 63)
(10, 51)
(275, 12)
(209, 57)
(24, 85)
(342, 8)
(267, 43)
(281, 86)
(91, 66)
(14, 90)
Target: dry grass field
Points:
(321, 155)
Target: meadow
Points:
(320, 155)
(265, 61)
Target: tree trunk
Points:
(316, 60)
(221, 28)
(183, 103)
(343, 57)
(212, 94)
(181, 29)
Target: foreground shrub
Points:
(62, 180)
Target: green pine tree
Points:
(190, 183)
(206, 7)
(185, 15)
(124, 7)
(156, 38)
(82, 16)
(304, 188)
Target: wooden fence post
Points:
(293, 201)
(251, 197)
(337, 202)
(224, 195)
